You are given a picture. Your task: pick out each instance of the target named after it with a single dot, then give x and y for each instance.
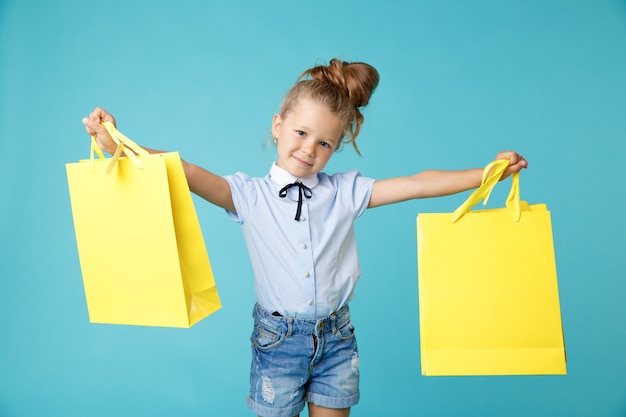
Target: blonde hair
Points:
(343, 87)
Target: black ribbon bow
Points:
(302, 190)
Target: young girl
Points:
(298, 227)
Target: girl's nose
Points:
(308, 148)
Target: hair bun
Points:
(357, 80)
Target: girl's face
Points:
(306, 138)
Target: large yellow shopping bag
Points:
(488, 295)
(141, 250)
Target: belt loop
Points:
(333, 319)
(289, 327)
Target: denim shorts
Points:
(299, 360)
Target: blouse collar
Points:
(282, 177)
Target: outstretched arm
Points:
(205, 184)
(434, 183)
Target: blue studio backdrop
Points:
(460, 81)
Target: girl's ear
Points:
(276, 122)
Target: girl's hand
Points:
(516, 162)
(94, 128)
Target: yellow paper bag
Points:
(488, 295)
(141, 250)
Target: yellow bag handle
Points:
(491, 175)
(124, 145)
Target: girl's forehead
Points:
(315, 116)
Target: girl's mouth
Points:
(301, 162)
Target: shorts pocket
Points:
(346, 331)
(266, 339)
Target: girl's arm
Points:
(205, 184)
(435, 183)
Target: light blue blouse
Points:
(306, 268)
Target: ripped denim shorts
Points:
(300, 360)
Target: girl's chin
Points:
(297, 168)
(294, 164)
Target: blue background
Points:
(460, 80)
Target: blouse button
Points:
(304, 246)
(302, 218)
(306, 274)
(309, 302)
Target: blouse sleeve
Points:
(243, 189)
(354, 190)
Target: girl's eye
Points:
(300, 133)
(325, 145)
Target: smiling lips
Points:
(301, 162)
